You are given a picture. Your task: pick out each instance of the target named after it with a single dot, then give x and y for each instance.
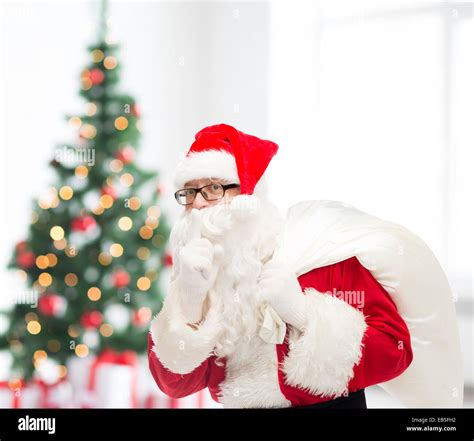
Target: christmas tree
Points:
(96, 243)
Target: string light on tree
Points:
(94, 293)
(52, 259)
(106, 330)
(134, 203)
(30, 316)
(97, 55)
(66, 192)
(81, 171)
(106, 201)
(82, 350)
(42, 262)
(33, 327)
(121, 123)
(70, 279)
(45, 279)
(126, 180)
(116, 165)
(116, 250)
(54, 345)
(57, 233)
(73, 331)
(105, 258)
(88, 131)
(125, 223)
(110, 62)
(91, 109)
(75, 122)
(143, 253)
(146, 232)
(143, 283)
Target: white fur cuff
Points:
(321, 359)
(180, 348)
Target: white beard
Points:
(248, 240)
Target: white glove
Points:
(198, 267)
(279, 286)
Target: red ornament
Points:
(91, 319)
(120, 279)
(51, 305)
(83, 223)
(96, 76)
(109, 190)
(126, 154)
(168, 259)
(22, 246)
(25, 259)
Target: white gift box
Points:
(115, 386)
(78, 375)
(28, 396)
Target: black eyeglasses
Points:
(211, 192)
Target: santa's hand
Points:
(198, 267)
(279, 286)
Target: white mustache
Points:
(216, 221)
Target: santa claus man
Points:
(305, 311)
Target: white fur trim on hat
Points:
(206, 164)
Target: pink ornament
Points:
(136, 111)
(126, 154)
(96, 76)
(109, 190)
(142, 316)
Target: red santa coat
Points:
(355, 338)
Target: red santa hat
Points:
(223, 152)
